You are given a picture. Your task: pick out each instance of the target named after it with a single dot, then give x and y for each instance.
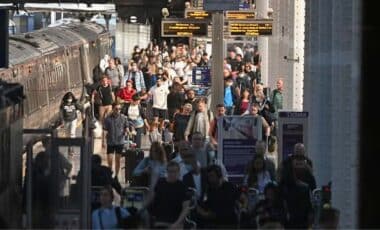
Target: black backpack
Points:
(130, 222)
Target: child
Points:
(154, 134)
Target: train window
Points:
(41, 91)
(31, 94)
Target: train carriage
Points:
(47, 63)
(52, 61)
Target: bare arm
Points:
(181, 218)
(189, 127)
(211, 131)
(104, 138)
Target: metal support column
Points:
(29, 163)
(53, 17)
(4, 38)
(262, 7)
(107, 18)
(217, 59)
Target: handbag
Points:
(138, 123)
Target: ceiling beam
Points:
(58, 1)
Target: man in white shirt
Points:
(159, 94)
(104, 63)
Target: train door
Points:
(57, 184)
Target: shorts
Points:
(111, 149)
(160, 113)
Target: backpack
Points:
(98, 100)
(195, 114)
(130, 222)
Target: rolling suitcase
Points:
(133, 156)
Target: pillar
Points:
(217, 60)
(107, 18)
(53, 17)
(4, 38)
(262, 7)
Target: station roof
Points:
(81, 7)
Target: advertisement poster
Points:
(237, 138)
(292, 130)
(202, 76)
(292, 134)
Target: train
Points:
(52, 61)
(47, 63)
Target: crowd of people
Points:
(152, 95)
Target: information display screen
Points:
(221, 5)
(253, 28)
(202, 76)
(184, 28)
(197, 14)
(240, 15)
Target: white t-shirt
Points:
(179, 68)
(133, 112)
(159, 95)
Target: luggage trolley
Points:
(246, 211)
(316, 201)
(189, 223)
(134, 197)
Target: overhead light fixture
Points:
(165, 12)
(132, 19)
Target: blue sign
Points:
(237, 138)
(291, 135)
(220, 5)
(293, 129)
(202, 76)
(244, 4)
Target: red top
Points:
(126, 94)
(244, 106)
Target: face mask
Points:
(69, 100)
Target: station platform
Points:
(98, 149)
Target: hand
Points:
(175, 226)
(147, 169)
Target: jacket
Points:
(193, 123)
(139, 82)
